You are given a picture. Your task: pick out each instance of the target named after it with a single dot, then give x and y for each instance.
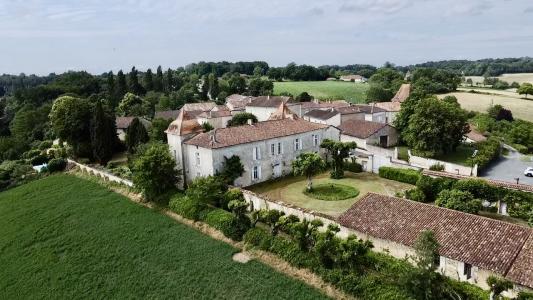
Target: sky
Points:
(44, 36)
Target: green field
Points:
(63, 237)
(331, 90)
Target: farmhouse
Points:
(323, 105)
(123, 123)
(329, 117)
(237, 103)
(266, 149)
(368, 133)
(390, 108)
(471, 247)
(263, 106)
(363, 112)
(353, 78)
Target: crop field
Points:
(63, 237)
(518, 77)
(521, 109)
(325, 90)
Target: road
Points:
(510, 167)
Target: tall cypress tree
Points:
(133, 83)
(103, 134)
(214, 89)
(158, 82)
(169, 86)
(136, 135)
(121, 87)
(148, 80)
(112, 90)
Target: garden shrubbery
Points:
(56, 165)
(402, 175)
(353, 166)
(487, 151)
(415, 194)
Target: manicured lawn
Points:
(332, 192)
(291, 190)
(460, 156)
(337, 90)
(66, 238)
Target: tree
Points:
(376, 93)
(458, 200)
(157, 130)
(304, 97)
(499, 113)
(112, 90)
(70, 118)
(207, 190)
(304, 232)
(154, 171)
(435, 127)
(497, 286)
(232, 168)
(103, 134)
(133, 83)
(158, 82)
(308, 164)
(148, 80)
(213, 87)
(241, 119)
(136, 135)
(236, 84)
(338, 151)
(206, 127)
(258, 87)
(169, 84)
(132, 105)
(526, 88)
(121, 87)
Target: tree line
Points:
(482, 67)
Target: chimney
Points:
(213, 136)
(268, 97)
(249, 122)
(372, 110)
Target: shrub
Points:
(488, 151)
(57, 165)
(45, 145)
(433, 186)
(416, 195)
(459, 200)
(39, 160)
(353, 166)
(259, 238)
(228, 223)
(186, 207)
(521, 148)
(402, 175)
(209, 190)
(479, 188)
(524, 296)
(31, 154)
(437, 167)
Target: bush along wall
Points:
(402, 175)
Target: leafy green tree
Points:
(304, 97)
(353, 252)
(133, 105)
(70, 119)
(304, 232)
(111, 89)
(270, 217)
(157, 130)
(136, 135)
(169, 82)
(206, 126)
(133, 83)
(258, 87)
(158, 81)
(435, 127)
(213, 87)
(208, 190)
(525, 89)
(103, 134)
(326, 246)
(232, 168)
(338, 152)
(308, 164)
(498, 286)
(377, 93)
(30, 123)
(236, 84)
(121, 87)
(154, 171)
(275, 74)
(387, 78)
(459, 200)
(499, 113)
(241, 119)
(148, 80)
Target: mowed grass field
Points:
(63, 237)
(325, 90)
(521, 109)
(518, 77)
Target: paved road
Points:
(510, 167)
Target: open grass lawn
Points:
(63, 238)
(332, 192)
(336, 90)
(521, 109)
(460, 156)
(518, 77)
(291, 190)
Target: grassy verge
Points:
(63, 236)
(332, 192)
(461, 156)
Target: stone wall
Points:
(426, 163)
(100, 173)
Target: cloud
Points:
(471, 8)
(528, 10)
(315, 11)
(376, 6)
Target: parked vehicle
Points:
(529, 172)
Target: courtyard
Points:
(292, 190)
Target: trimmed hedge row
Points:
(487, 151)
(402, 175)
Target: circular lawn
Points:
(332, 192)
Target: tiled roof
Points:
(359, 108)
(475, 135)
(322, 114)
(360, 128)
(225, 137)
(480, 241)
(403, 93)
(184, 124)
(389, 106)
(200, 106)
(167, 114)
(237, 102)
(283, 112)
(350, 77)
(499, 183)
(268, 101)
(522, 269)
(324, 104)
(217, 112)
(124, 122)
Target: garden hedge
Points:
(398, 174)
(186, 207)
(57, 165)
(227, 223)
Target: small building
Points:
(353, 78)
(329, 117)
(218, 116)
(323, 105)
(167, 114)
(365, 133)
(237, 103)
(123, 123)
(471, 247)
(473, 136)
(264, 106)
(266, 149)
(391, 109)
(363, 112)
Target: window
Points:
(315, 140)
(467, 271)
(197, 154)
(436, 260)
(272, 149)
(279, 148)
(257, 153)
(256, 173)
(297, 144)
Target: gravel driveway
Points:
(509, 167)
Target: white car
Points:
(529, 172)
